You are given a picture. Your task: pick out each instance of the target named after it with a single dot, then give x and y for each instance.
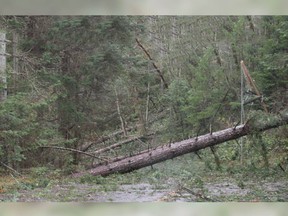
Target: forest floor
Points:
(165, 182)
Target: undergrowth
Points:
(187, 171)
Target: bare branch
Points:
(74, 150)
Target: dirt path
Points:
(144, 192)
(88, 193)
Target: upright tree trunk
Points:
(67, 106)
(147, 104)
(15, 60)
(141, 126)
(3, 75)
(3, 92)
(123, 125)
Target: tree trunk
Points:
(3, 76)
(153, 63)
(3, 96)
(123, 125)
(253, 85)
(15, 61)
(172, 150)
(141, 126)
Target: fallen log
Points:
(172, 150)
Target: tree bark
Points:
(3, 75)
(172, 150)
(15, 60)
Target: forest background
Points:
(75, 81)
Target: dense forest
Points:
(77, 91)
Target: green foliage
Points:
(43, 177)
(271, 73)
(22, 131)
(17, 126)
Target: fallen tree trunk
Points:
(172, 150)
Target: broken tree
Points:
(172, 150)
